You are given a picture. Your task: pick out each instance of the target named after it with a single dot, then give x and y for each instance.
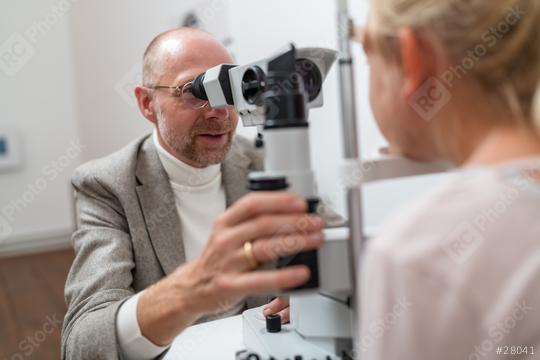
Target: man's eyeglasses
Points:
(183, 92)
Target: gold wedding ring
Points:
(248, 250)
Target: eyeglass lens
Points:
(190, 100)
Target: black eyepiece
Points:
(197, 89)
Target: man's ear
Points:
(144, 101)
(419, 58)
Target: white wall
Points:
(37, 101)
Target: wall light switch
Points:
(10, 150)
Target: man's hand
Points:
(280, 306)
(277, 225)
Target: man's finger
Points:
(271, 249)
(276, 305)
(258, 203)
(270, 281)
(285, 315)
(268, 226)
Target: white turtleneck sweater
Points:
(200, 198)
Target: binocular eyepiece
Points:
(244, 87)
(254, 82)
(197, 88)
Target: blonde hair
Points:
(501, 36)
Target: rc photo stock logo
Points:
(430, 98)
(15, 53)
(434, 94)
(17, 50)
(462, 242)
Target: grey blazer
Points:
(128, 237)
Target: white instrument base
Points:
(219, 339)
(283, 345)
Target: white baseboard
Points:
(26, 245)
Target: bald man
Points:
(166, 237)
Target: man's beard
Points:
(191, 148)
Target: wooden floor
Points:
(32, 305)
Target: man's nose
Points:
(218, 114)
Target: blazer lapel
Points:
(234, 173)
(159, 209)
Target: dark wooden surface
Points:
(32, 305)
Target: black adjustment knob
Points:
(273, 323)
(268, 184)
(240, 355)
(313, 204)
(259, 142)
